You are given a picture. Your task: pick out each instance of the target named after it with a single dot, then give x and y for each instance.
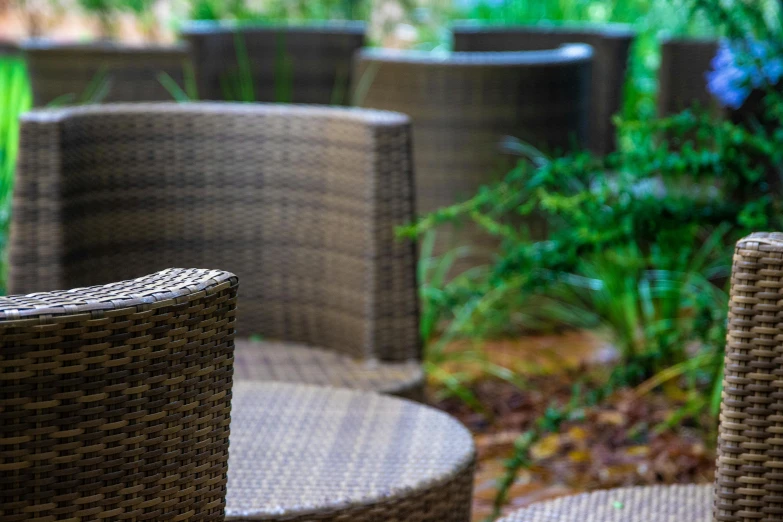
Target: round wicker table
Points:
(689, 503)
(307, 453)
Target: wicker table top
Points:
(688, 503)
(304, 450)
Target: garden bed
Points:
(622, 442)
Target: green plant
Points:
(106, 11)
(638, 247)
(15, 98)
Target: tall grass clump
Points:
(15, 98)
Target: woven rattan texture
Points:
(115, 400)
(749, 479)
(462, 107)
(307, 64)
(131, 73)
(305, 453)
(641, 504)
(611, 46)
(299, 202)
(294, 363)
(684, 64)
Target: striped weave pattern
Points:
(641, 504)
(463, 106)
(299, 64)
(611, 46)
(115, 400)
(296, 363)
(130, 73)
(683, 84)
(300, 202)
(306, 453)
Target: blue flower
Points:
(743, 65)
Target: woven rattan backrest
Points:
(749, 478)
(129, 73)
(305, 64)
(611, 45)
(463, 104)
(462, 107)
(115, 400)
(682, 75)
(300, 202)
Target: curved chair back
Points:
(115, 400)
(611, 45)
(80, 72)
(682, 75)
(748, 478)
(462, 107)
(304, 64)
(300, 202)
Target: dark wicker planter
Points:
(611, 45)
(300, 64)
(58, 70)
(682, 80)
(8, 48)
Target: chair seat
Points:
(682, 503)
(296, 363)
(306, 453)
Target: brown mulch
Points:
(619, 443)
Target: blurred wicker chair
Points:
(8, 48)
(300, 64)
(66, 73)
(299, 202)
(611, 45)
(463, 105)
(748, 480)
(115, 399)
(682, 75)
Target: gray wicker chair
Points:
(300, 64)
(611, 44)
(748, 480)
(684, 64)
(463, 105)
(115, 400)
(130, 73)
(299, 202)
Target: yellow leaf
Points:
(638, 451)
(577, 434)
(579, 456)
(546, 447)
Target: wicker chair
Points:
(299, 202)
(684, 64)
(300, 64)
(611, 44)
(131, 73)
(115, 404)
(748, 481)
(462, 106)
(115, 399)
